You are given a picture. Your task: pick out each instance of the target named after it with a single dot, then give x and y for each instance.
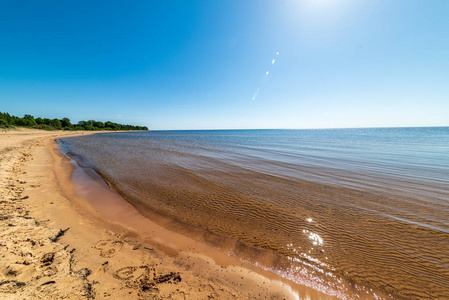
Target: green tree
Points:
(19, 121)
(57, 124)
(99, 124)
(110, 125)
(65, 122)
(31, 122)
(3, 122)
(83, 124)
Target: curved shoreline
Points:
(112, 207)
(91, 256)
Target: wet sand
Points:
(353, 231)
(61, 242)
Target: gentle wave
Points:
(354, 213)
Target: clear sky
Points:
(203, 64)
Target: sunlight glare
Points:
(325, 10)
(322, 5)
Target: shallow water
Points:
(356, 213)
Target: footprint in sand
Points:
(108, 248)
(132, 273)
(10, 286)
(144, 278)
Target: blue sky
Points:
(203, 64)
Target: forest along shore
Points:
(53, 245)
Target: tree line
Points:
(7, 120)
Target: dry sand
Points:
(54, 245)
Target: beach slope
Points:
(55, 246)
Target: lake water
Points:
(355, 213)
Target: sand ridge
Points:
(54, 246)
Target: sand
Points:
(56, 245)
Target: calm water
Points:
(356, 213)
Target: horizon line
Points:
(319, 128)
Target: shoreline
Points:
(173, 237)
(106, 258)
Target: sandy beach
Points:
(56, 245)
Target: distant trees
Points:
(6, 120)
(57, 124)
(65, 122)
(110, 125)
(98, 124)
